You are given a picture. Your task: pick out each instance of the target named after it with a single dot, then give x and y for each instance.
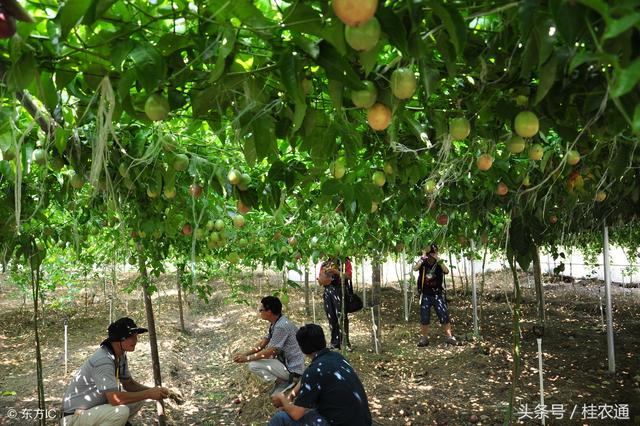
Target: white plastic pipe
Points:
(473, 292)
(405, 286)
(313, 295)
(541, 374)
(66, 347)
(374, 328)
(607, 288)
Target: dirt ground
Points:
(406, 385)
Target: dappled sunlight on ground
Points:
(406, 385)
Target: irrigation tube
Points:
(374, 328)
(66, 346)
(541, 374)
(607, 289)
(313, 295)
(474, 293)
(405, 286)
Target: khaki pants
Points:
(269, 369)
(103, 415)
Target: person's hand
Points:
(240, 358)
(157, 393)
(278, 400)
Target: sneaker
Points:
(424, 341)
(451, 340)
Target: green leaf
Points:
(336, 90)
(309, 46)
(446, 49)
(334, 34)
(250, 152)
(545, 159)
(303, 18)
(298, 115)
(22, 72)
(626, 79)
(150, 66)
(337, 67)
(48, 95)
(618, 26)
(61, 140)
(289, 77)
(583, 57)
(547, 78)
(635, 125)
(430, 77)
(70, 15)
(264, 137)
(394, 28)
(332, 187)
(96, 10)
(527, 13)
(369, 58)
(597, 5)
(454, 24)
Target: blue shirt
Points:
(331, 386)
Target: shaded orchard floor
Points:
(406, 385)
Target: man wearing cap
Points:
(431, 288)
(277, 357)
(102, 392)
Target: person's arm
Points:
(243, 356)
(123, 398)
(131, 385)
(294, 411)
(419, 262)
(260, 351)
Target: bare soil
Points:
(406, 385)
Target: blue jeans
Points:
(311, 418)
(439, 304)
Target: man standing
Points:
(430, 288)
(331, 279)
(329, 392)
(94, 396)
(277, 357)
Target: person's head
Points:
(123, 334)
(311, 339)
(432, 249)
(272, 304)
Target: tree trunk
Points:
(179, 275)
(375, 302)
(516, 340)
(35, 293)
(307, 306)
(151, 324)
(537, 279)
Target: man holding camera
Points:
(430, 288)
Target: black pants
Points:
(332, 298)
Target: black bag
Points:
(354, 303)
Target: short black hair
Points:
(311, 339)
(273, 304)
